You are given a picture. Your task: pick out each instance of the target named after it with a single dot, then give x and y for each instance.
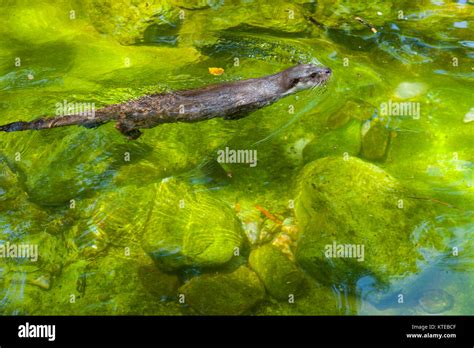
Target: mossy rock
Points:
(189, 228)
(86, 160)
(172, 149)
(25, 282)
(112, 284)
(77, 161)
(10, 189)
(375, 142)
(116, 217)
(281, 19)
(21, 216)
(345, 140)
(224, 294)
(162, 286)
(317, 299)
(128, 22)
(354, 108)
(339, 13)
(352, 202)
(19, 297)
(279, 274)
(339, 118)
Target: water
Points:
(85, 197)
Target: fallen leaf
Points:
(216, 71)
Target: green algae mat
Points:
(356, 198)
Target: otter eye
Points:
(294, 82)
(313, 75)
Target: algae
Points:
(190, 228)
(224, 294)
(91, 200)
(281, 277)
(333, 208)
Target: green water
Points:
(93, 202)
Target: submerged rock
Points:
(353, 108)
(418, 301)
(26, 281)
(339, 13)
(116, 217)
(224, 294)
(469, 117)
(111, 284)
(281, 19)
(128, 22)
(339, 118)
(355, 220)
(280, 276)
(19, 215)
(81, 162)
(375, 141)
(408, 90)
(315, 300)
(189, 228)
(10, 189)
(345, 140)
(159, 284)
(435, 301)
(69, 166)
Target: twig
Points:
(268, 214)
(436, 201)
(367, 24)
(314, 21)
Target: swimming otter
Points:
(232, 100)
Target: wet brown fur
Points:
(232, 100)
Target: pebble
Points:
(436, 301)
(43, 282)
(469, 117)
(408, 90)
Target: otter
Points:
(231, 100)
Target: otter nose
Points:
(327, 71)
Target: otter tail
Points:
(53, 122)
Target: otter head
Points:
(304, 76)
